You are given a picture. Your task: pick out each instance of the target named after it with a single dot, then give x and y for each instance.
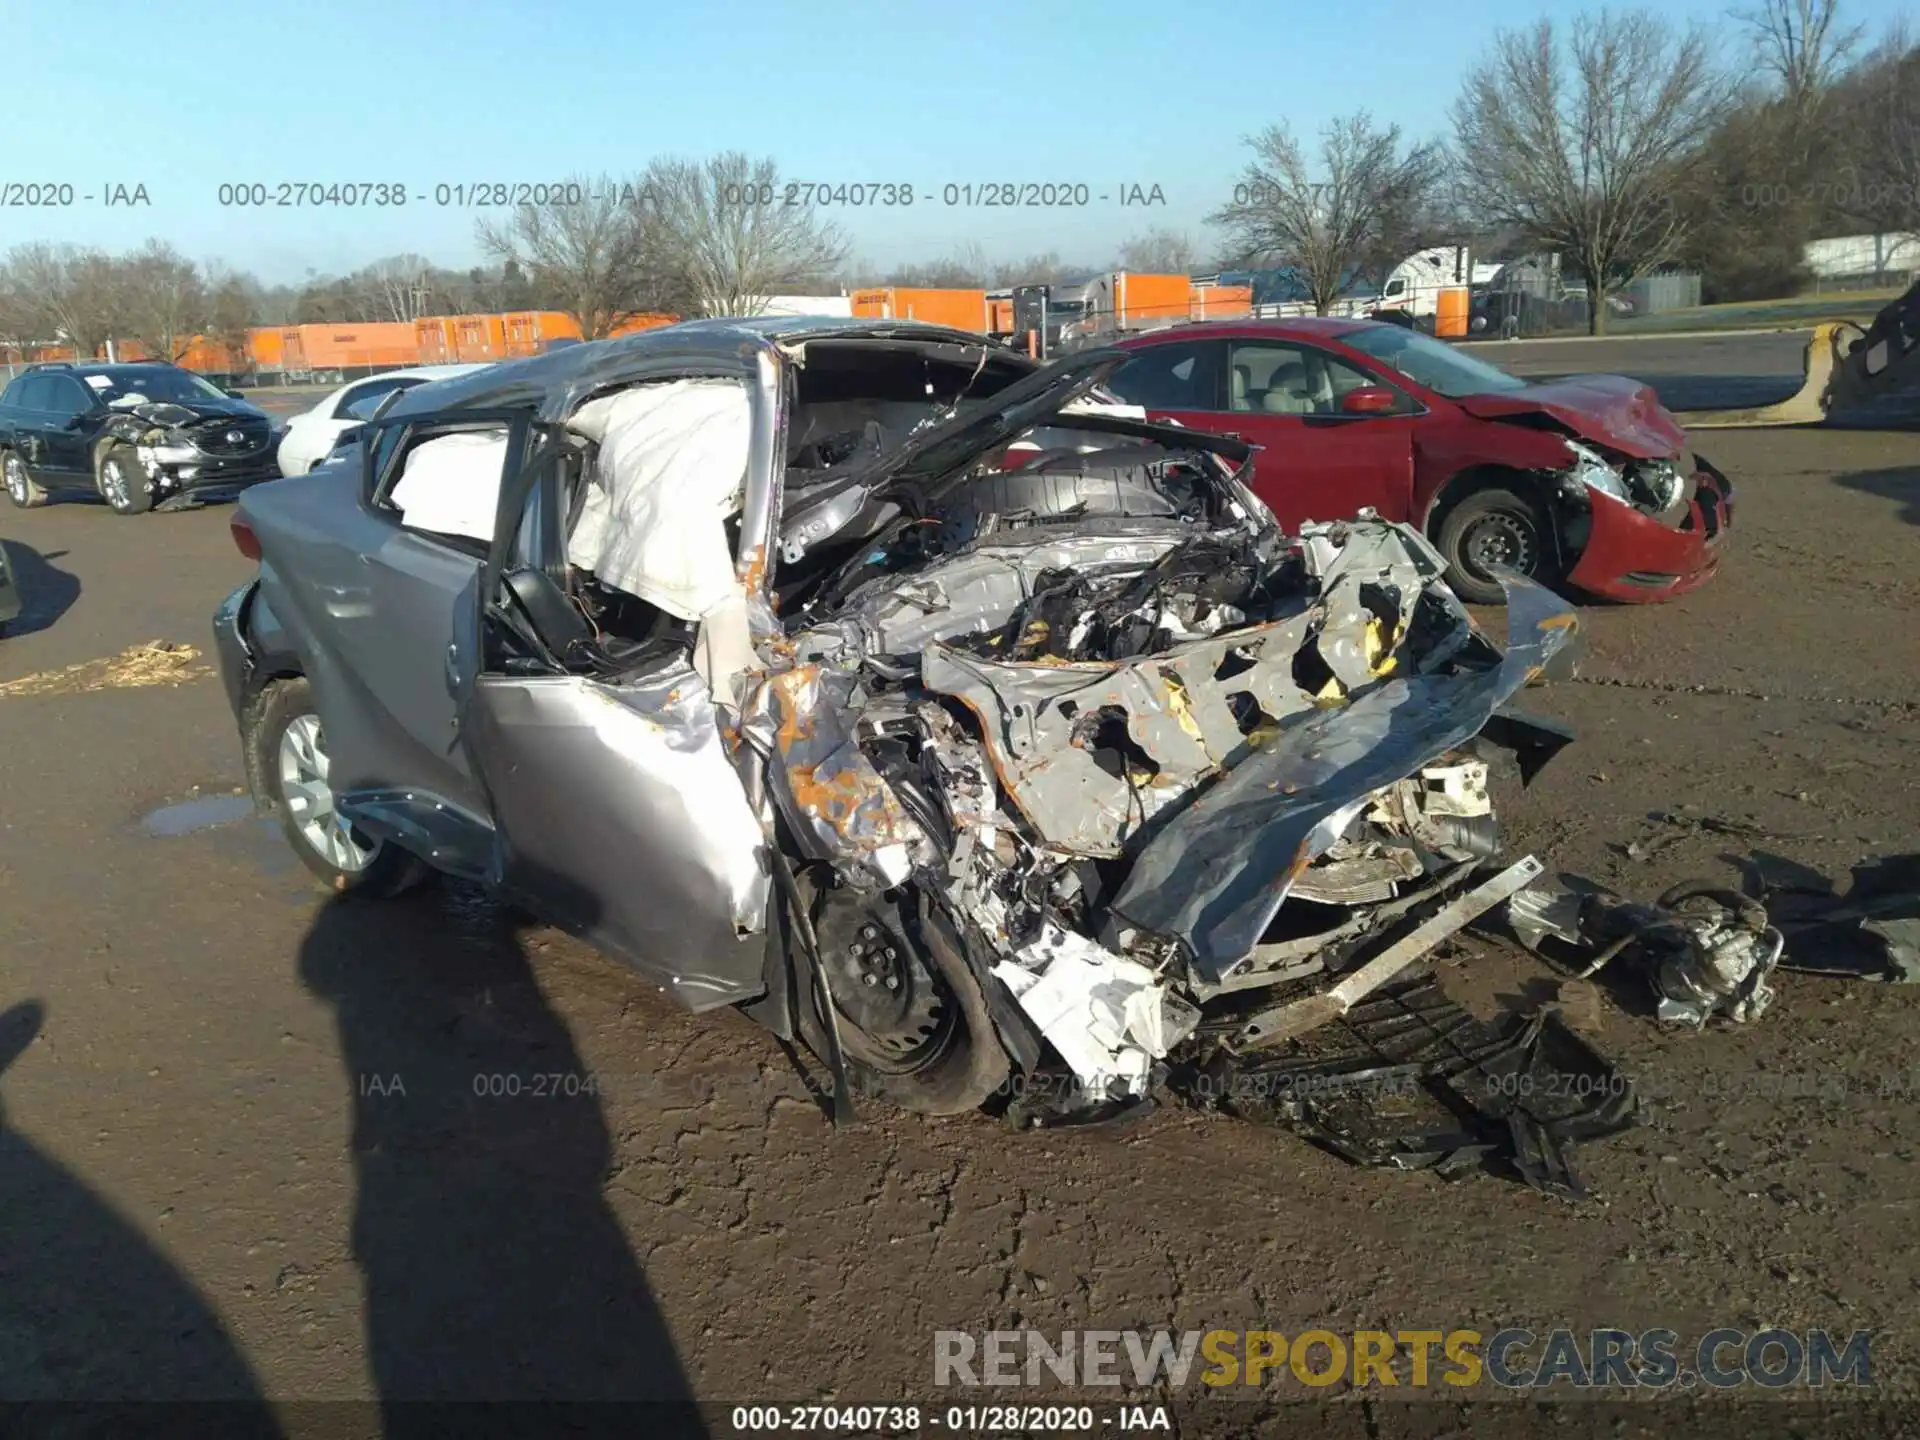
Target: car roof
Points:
(726, 340)
(118, 369)
(1322, 327)
(437, 372)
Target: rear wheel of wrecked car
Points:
(291, 751)
(20, 487)
(123, 481)
(913, 1023)
(1491, 530)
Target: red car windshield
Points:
(1432, 363)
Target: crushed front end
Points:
(1641, 530)
(188, 458)
(1164, 770)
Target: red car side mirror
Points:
(1368, 400)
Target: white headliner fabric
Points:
(452, 484)
(671, 468)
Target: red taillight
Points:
(244, 539)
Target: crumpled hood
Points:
(1218, 874)
(173, 413)
(1611, 410)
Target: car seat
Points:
(1287, 392)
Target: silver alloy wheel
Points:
(17, 481)
(114, 481)
(309, 798)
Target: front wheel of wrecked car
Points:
(913, 1022)
(292, 756)
(1489, 531)
(123, 482)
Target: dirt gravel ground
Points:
(247, 1144)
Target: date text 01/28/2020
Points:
(957, 1419)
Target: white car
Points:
(310, 435)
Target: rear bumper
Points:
(1632, 558)
(236, 665)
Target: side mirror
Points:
(236, 394)
(1368, 400)
(76, 422)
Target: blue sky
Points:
(424, 93)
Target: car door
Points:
(1318, 461)
(69, 436)
(51, 440)
(620, 813)
(388, 593)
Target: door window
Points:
(444, 480)
(34, 392)
(1172, 377)
(66, 397)
(1282, 379)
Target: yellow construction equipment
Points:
(1848, 369)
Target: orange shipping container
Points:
(1221, 302)
(963, 309)
(1147, 300)
(634, 324)
(276, 348)
(339, 347)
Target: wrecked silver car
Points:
(983, 736)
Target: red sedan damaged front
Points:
(1582, 482)
(1633, 524)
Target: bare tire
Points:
(1490, 530)
(913, 1022)
(21, 489)
(291, 759)
(123, 481)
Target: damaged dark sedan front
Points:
(747, 651)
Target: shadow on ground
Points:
(493, 1266)
(46, 591)
(90, 1310)
(1900, 484)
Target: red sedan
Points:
(1581, 481)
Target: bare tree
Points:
(398, 287)
(1584, 145)
(1326, 219)
(162, 299)
(70, 295)
(968, 268)
(1160, 251)
(235, 304)
(19, 315)
(1882, 125)
(1043, 269)
(721, 240)
(1797, 41)
(590, 259)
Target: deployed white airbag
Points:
(452, 484)
(671, 468)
